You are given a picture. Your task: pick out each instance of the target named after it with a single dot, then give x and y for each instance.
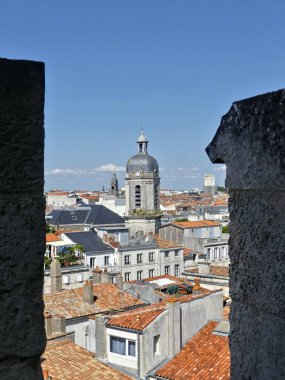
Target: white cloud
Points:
(106, 168)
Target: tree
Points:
(225, 229)
(49, 229)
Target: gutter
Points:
(202, 275)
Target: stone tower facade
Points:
(142, 191)
(114, 185)
(209, 184)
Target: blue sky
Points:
(174, 65)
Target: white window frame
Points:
(127, 276)
(127, 259)
(127, 346)
(139, 274)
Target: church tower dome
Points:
(142, 161)
(142, 190)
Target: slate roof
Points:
(90, 241)
(65, 360)
(205, 356)
(69, 303)
(85, 214)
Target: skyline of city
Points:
(175, 66)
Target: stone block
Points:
(257, 244)
(262, 357)
(22, 218)
(21, 126)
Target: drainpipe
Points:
(139, 362)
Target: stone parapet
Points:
(251, 142)
(22, 221)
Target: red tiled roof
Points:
(51, 238)
(57, 192)
(206, 356)
(65, 360)
(163, 243)
(196, 224)
(137, 319)
(69, 303)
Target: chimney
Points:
(105, 277)
(174, 327)
(54, 325)
(55, 277)
(119, 281)
(87, 295)
(196, 287)
(58, 325)
(97, 275)
(101, 337)
(48, 324)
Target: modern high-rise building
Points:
(142, 191)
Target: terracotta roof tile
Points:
(196, 224)
(137, 319)
(65, 360)
(52, 237)
(163, 243)
(69, 303)
(205, 356)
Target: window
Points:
(139, 274)
(176, 253)
(119, 345)
(138, 196)
(139, 258)
(92, 262)
(127, 276)
(166, 254)
(127, 259)
(106, 260)
(166, 269)
(156, 344)
(176, 270)
(151, 273)
(151, 256)
(131, 348)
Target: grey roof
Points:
(90, 241)
(85, 214)
(142, 162)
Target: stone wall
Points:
(251, 141)
(22, 218)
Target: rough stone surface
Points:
(251, 142)
(22, 218)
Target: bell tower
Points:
(142, 191)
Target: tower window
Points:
(138, 196)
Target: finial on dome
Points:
(142, 141)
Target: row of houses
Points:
(145, 335)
